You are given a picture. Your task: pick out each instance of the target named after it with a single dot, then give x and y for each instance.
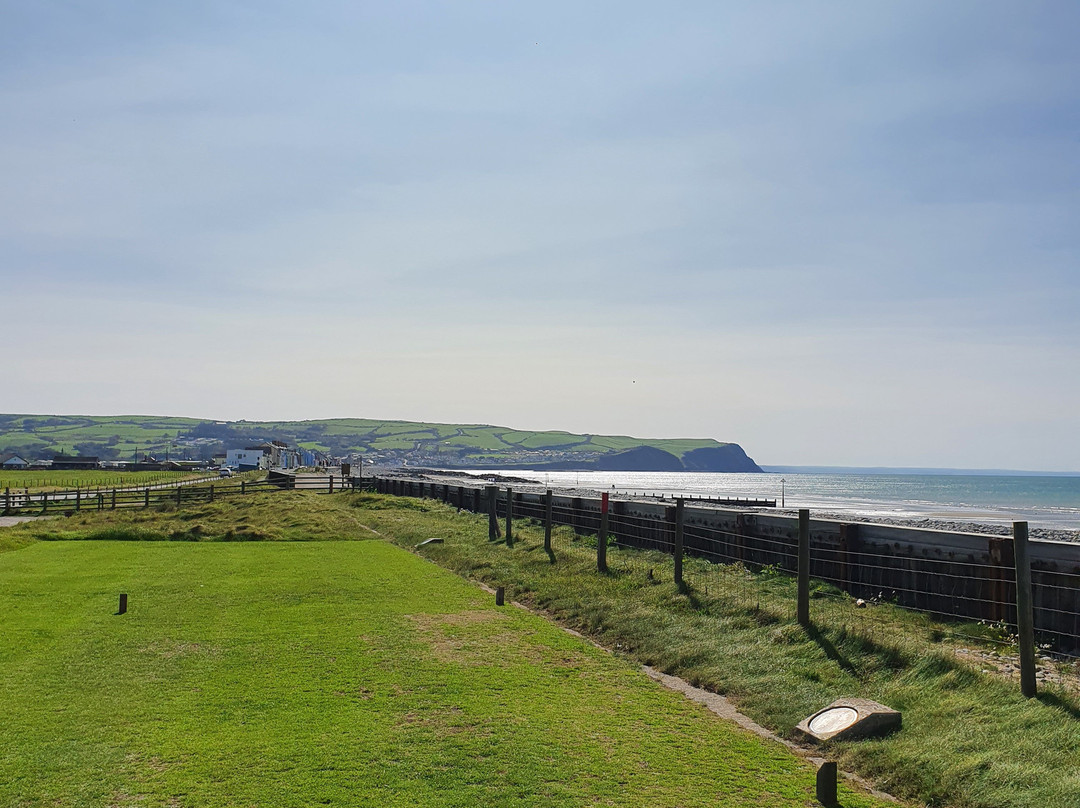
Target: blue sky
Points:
(836, 233)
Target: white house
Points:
(12, 461)
(253, 457)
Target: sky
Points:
(837, 233)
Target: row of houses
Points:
(274, 454)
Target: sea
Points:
(1051, 502)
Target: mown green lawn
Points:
(333, 673)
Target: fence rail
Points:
(57, 502)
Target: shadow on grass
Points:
(1065, 705)
(831, 651)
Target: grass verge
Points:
(333, 673)
(969, 739)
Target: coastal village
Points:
(269, 455)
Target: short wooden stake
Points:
(547, 521)
(804, 567)
(123, 604)
(1025, 619)
(500, 596)
(509, 517)
(601, 538)
(242, 484)
(826, 784)
(146, 498)
(679, 506)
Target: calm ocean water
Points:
(1049, 502)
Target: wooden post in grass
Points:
(601, 538)
(825, 790)
(146, 498)
(493, 513)
(242, 485)
(123, 603)
(331, 483)
(509, 517)
(101, 502)
(500, 596)
(211, 492)
(1025, 621)
(113, 508)
(7, 501)
(44, 501)
(78, 499)
(178, 496)
(547, 521)
(804, 567)
(679, 506)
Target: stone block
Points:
(850, 718)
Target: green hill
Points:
(122, 437)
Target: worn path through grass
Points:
(335, 673)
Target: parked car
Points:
(225, 472)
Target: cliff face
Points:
(642, 458)
(729, 457)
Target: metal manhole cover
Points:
(833, 721)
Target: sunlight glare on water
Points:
(1051, 502)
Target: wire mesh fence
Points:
(870, 580)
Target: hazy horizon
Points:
(826, 232)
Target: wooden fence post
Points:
(601, 538)
(825, 784)
(509, 517)
(146, 498)
(804, 567)
(113, 508)
(101, 502)
(679, 506)
(1025, 621)
(331, 483)
(44, 501)
(78, 499)
(493, 513)
(7, 501)
(242, 486)
(178, 496)
(547, 521)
